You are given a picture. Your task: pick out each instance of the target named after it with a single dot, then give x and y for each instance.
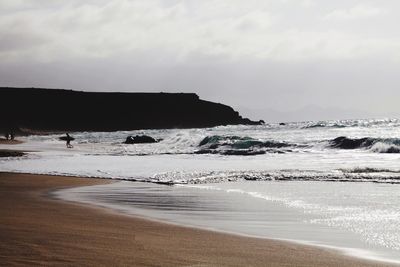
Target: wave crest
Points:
(236, 145)
(382, 147)
(377, 145)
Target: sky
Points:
(270, 59)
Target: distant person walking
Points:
(68, 139)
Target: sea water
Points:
(331, 183)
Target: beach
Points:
(199, 133)
(37, 229)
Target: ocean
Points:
(328, 183)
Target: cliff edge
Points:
(39, 109)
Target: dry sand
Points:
(38, 230)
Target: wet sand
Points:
(4, 153)
(4, 141)
(8, 152)
(36, 229)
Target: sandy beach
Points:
(37, 229)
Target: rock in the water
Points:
(140, 139)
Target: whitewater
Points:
(328, 183)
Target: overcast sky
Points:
(273, 59)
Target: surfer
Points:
(69, 139)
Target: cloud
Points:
(233, 29)
(361, 11)
(275, 53)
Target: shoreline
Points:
(357, 253)
(86, 234)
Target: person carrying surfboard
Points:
(68, 139)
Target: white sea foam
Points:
(381, 147)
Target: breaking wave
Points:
(378, 145)
(236, 145)
(324, 124)
(364, 123)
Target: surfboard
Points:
(66, 138)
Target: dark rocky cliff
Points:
(37, 109)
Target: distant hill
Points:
(52, 110)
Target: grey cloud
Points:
(263, 57)
(21, 40)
